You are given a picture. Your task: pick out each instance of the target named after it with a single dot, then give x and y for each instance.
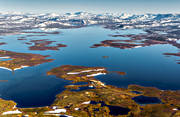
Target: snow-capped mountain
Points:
(16, 22)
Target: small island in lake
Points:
(44, 44)
(17, 60)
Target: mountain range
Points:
(16, 22)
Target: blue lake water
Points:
(146, 66)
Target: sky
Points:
(92, 6)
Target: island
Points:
(135, 41)
(17, 60)
(44, 44)
(174, 54)
(77, 73)
(2, 43)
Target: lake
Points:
(31, 87)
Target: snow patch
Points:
(76, 108)
(88, 102)
(56, 111)
(85, 71)
(96, 74)
(11, 112)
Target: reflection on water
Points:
(31, 86)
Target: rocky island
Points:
(2, 43)
(136, 41)
(77, 73)
(44, 44)
(173, 54)
(21, 60)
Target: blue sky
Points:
(93, 6)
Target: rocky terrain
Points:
(101, 100)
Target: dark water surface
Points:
(143, 100)
(31, 87)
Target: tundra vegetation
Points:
(101, 100)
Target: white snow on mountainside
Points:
(11, 23)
